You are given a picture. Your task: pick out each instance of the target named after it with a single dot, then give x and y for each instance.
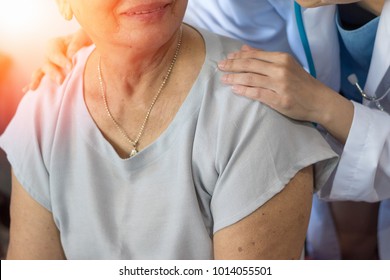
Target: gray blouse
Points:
(221, 158)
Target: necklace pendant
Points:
(133, 152)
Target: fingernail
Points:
(222, 64)
(224, 78)
(231, 55)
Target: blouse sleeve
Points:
(27, 142)
(263, 152)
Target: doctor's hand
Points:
(58, 61)
(275, 79)
(279, 81)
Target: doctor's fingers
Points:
(247, 65)
(55, 73)
(282, 69)
(263, 74)
(36, 78)
(263, 95)
(285, 104)
(75, 41)
(249, 80)
(56, 52)
(282, 58)
(48, 69)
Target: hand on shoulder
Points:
(58, 62)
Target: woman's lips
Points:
(146, 9)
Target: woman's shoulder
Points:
(218, 46)
(39, 112)
(45, 103)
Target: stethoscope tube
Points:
(354, 81)
(304, 39)
(310, 61)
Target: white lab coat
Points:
(256, 23)
(363, 173)
(364, 169)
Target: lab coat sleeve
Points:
(363, 173)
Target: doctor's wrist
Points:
(336, 115)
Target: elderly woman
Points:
(142, 154)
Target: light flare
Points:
(25, 28)
(19, 17)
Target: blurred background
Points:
(25, 28)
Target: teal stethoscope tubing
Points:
(304, 40)
(309, 56)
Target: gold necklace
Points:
(134, 143)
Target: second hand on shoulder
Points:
(59, 54)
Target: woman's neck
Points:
(130, 111)
(131, 70)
